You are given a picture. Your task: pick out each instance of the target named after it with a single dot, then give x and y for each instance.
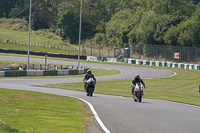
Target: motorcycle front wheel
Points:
(140, 97)
(91, 90)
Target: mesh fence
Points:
(142, 51)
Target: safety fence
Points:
(177, 54)
(165, 53)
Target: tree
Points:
(5, 7)
(69, 26)
(163, 27)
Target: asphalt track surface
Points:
(121, 114)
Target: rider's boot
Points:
(135, 100)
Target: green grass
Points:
(182, 88)
(23, 36)
(35, 48)
(38, 112)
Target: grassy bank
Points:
(35, 48)
(23, 36)
(23, 111)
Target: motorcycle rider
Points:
(86, 77)
(134, 81)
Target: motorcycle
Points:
(90, 85)
(138, 92)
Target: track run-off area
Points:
(118, 114)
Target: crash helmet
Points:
(89, 72)
(137, 77)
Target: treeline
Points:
(162, 22)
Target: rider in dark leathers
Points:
(134, 81)
(86, 77)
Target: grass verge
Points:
(24, 111)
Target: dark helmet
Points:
(89, 72)
(137, 77)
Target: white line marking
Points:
(95, 114)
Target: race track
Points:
(121, 114)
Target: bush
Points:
(15, 24)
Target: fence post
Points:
(173, 55)
(123, 49)
(156, 53)
(82, 47)
(45, 62)
(196, 55)
(99, 49)
(188, 55)
(140, 51)
(108, 49)
(180, 56)
(91, 49)
(165, 54)
(132, 50)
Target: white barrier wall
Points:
(81, 71)
(35, 73)
(63, 72)
(111, 60)
(91, 58)
(2, 74)
(151, 63)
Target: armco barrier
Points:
(102, 58)
(73, 72)
(91, 58)
(120, 59)
(160, 63)
(164, 64)
(133, 61)
(148, 62)
(43, 72)
(152, 63)
(15, 73)
(85, 70)
(111, 60)
(43, 54)
(50, 73)
(80, 71)
(157, 63)
(198, 67)
(186, 66)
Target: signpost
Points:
(176, 55)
